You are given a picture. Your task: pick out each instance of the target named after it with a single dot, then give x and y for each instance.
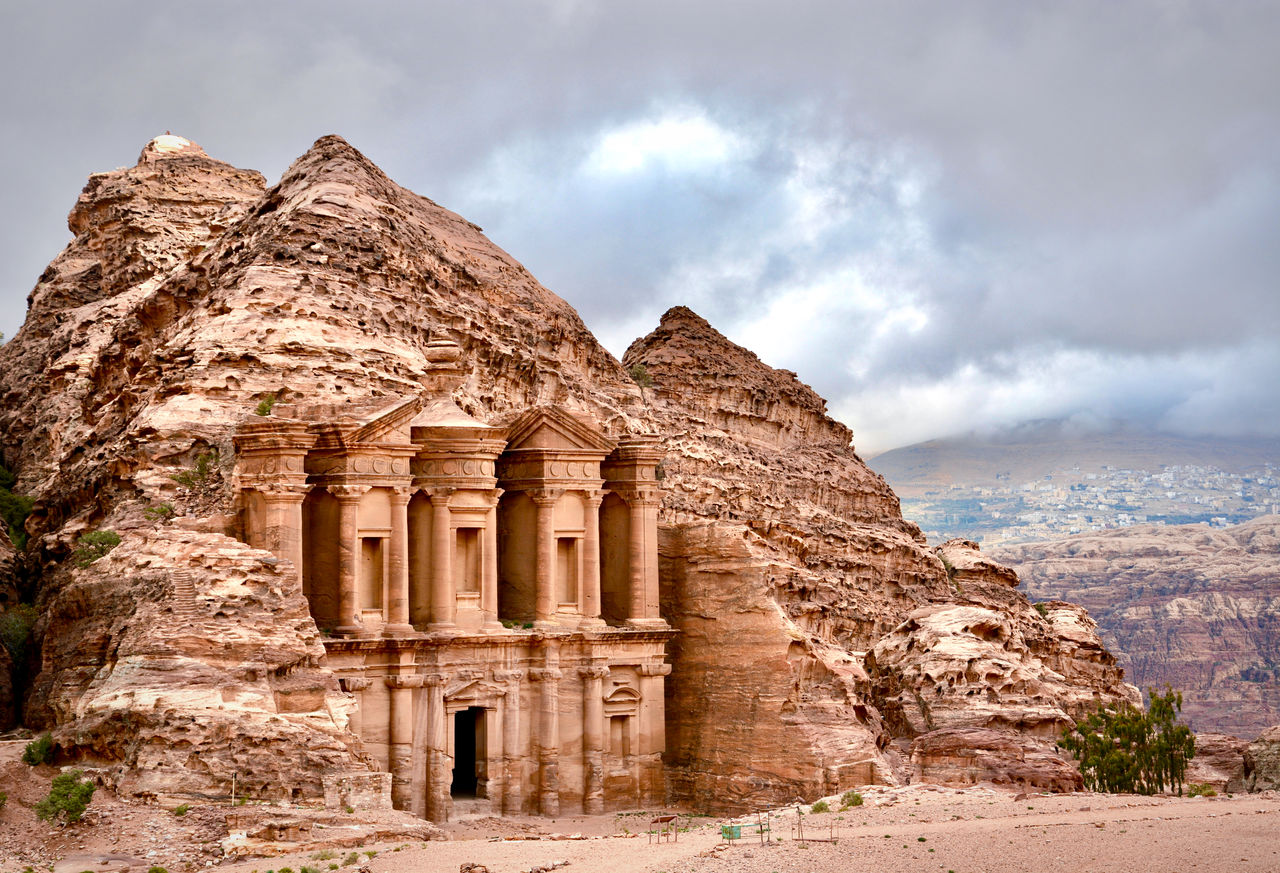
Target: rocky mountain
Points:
(1195, 607)
(819, 636)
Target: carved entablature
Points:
(633, 467)
(383, 465)
(271, 451)
(548, 447)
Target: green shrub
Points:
(4, 798)
(640, 375)
(182, 810)
(820, 806)
(1123, 749)
(15, 631)
(159, 512)
(265, 404)
(1042, 609)
(14, 509)
(68, 797)
(156, 869)
(1199, 789)
(306, 869)
(201, 473)
(352, 858)
(323, 855)
(39, 750)
(93, 545)
(850, 798)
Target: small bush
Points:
(4, 798)
(1199, 789)
(159, 512)
(93, 545)
(352, 858)
(1042, 609)
(850, 798)
(15, 631)
(324, 855)
(69, 795)
(305, 869)
(640, 375)
(182, 810)
(156, 869)
(820, 806)
(201, 473)
(265, 404)
(39, 750)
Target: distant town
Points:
(1074, 501)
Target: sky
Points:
(944, 216)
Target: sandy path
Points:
(967, 832)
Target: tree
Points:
(1125, 749)
(69, 795)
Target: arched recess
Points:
(420, 560)
(320, 556)
(615, 568)
(517, 557)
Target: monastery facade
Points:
(488, 595)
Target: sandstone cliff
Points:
(819, 636)
(1194, 607)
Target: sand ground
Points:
(916, 828)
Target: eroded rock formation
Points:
(819, 635)
(1194, 607)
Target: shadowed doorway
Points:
(468, 753)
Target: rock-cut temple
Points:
(487, 595)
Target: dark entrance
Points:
(468, 752)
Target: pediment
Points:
(384, 422)
(623, 694)
(552, 428)
(474, 690)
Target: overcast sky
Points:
(943, 216)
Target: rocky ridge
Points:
(813, 617)
(1195, 607)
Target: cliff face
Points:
(1194, 607)
(819, 636)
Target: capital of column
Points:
(402, 494)
(594, 497)
(508, 675)
(640, 496)
(545, 496)
(415, 680)
(655, 669)
(545, 674)
(346, 493)
(281, 490)
(352, 684)
(494, 496)
(432, 680)
(440, 496)
(593, 672)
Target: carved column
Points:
(283, 523)
(355, 686)
(512, 759)
(398, 560)
(348, 518)
(653, 705)
(591, 561)
(443, 599)
(544, 500)
(548, 741)
(434, 738)
(593, 738)
(400, 750)
(489, 568)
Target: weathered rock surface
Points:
(1262, 761)
(794, 580)
(1194, 607)
(190, 292)
(967, 756)
(1218, 762)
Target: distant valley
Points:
(1043, 482)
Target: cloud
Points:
(943, 216)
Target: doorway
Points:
(469, 775)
